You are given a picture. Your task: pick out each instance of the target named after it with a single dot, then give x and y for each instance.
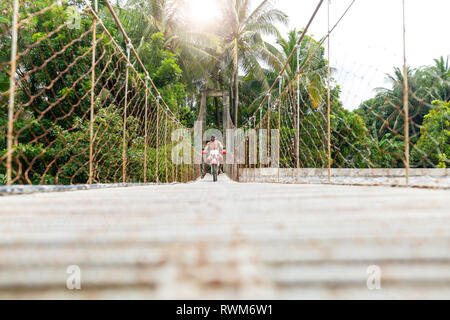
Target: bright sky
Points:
(368, 42)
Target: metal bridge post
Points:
(329, 100)
(12, 90)
(256, 162)
(146, 127)
(260, 144)
(177, 165)
(269, 140)
(279, 123)
(165, 154)
(405, 98)
(157, 139)
(297, 148)
(125, 117)
(171, 160)
(92, 111)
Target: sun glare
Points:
(203, 11)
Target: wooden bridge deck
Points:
(227, 240)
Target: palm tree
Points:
(213, 58)
(392, 110)
(422, 90)
(243, 45)
(312, 79)
(440, 73)
(143, 18)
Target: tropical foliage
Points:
(183, 60)
(433, 148)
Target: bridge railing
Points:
(312, 126)
(77, 104)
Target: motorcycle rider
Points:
(214, 144)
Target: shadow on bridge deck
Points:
(222, 178)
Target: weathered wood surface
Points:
(227, 240)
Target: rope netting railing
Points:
(311, 117)
(77, 105)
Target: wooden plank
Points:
(227, 240)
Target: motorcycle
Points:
(215, 162)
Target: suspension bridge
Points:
(89, 181)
